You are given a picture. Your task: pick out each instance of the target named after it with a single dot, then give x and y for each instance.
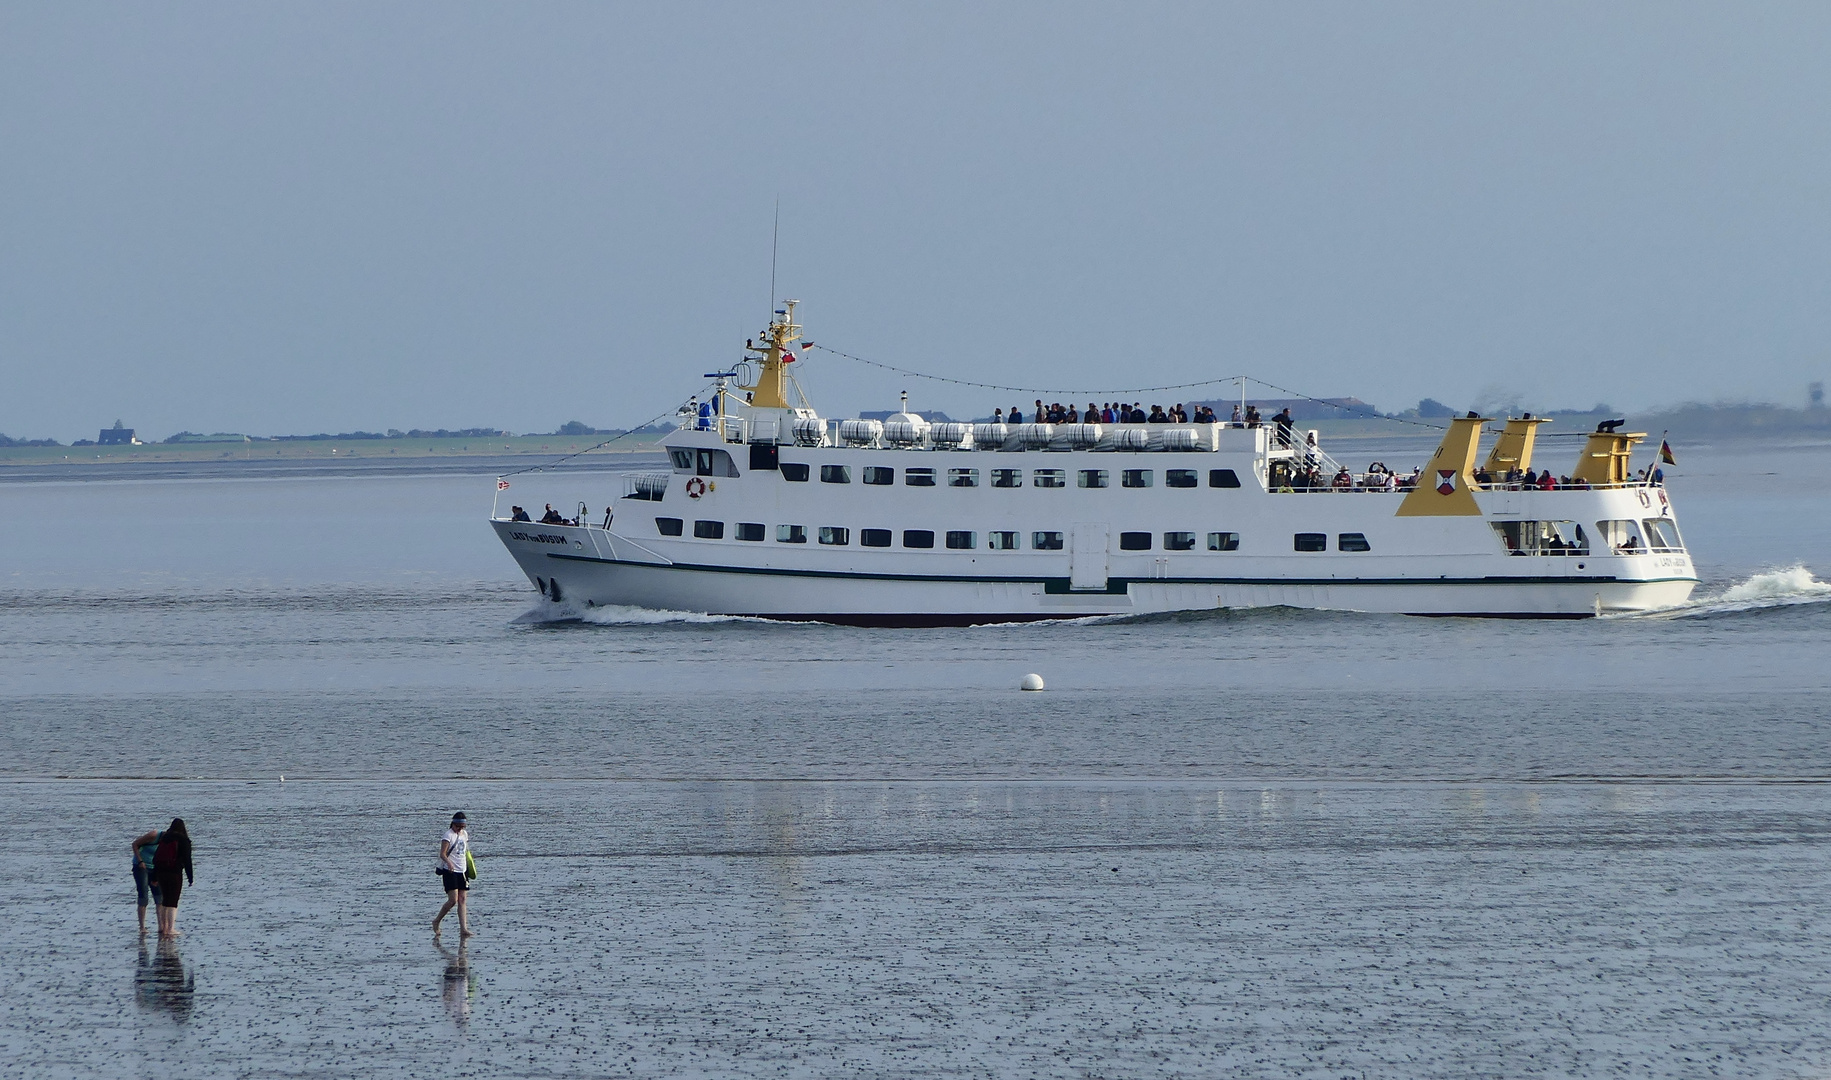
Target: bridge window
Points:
(918, 538)
(1352, 542)
(1049, 478)
(669, 526)
(1179, 541)
(1007, 478)
(750, 530)
(1311, 542)
(1223, 541)
(709, 530)
(1134, 541)
(834, 535)
(682, 459)
(791, 534)
(919, 477)
(1090, 478)
(872, 538)
(1001, 541)
(1179, 478)
(962, 540)
(1137, 478)
(1046, 541)
(835, 474)
(1223, 478)
(963, 478)
(879, 475)
(713, 463)
(795, 470)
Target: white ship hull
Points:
(1412, 565)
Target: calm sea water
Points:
(1266, 843)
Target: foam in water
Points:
(1772, 588)
(546, 611)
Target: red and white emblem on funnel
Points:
(1446, 481)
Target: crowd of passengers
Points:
(1118, 412)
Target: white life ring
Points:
(1644, 501)
(697, 487)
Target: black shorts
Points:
(454, 882)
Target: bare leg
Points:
(463, 896)
(451, 901)
(143, 920)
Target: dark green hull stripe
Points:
(1114, 585)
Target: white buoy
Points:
(282, 778)
(1032, 681)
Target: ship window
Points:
(1179, 541)
(1542, 537)
(918, 538)
(963, 478)
(795, 470)
(1135, 478)
(1620, 535)
(962, 540)
(791, 534)
(709, 530)
(1352, 542)
(835, 474)
(1134, 541)
(1091, 478)
(1662, 534)
(879, 475)
(750, 530)
(919, 477)
(1046, 541)
(1223, 478)
(1001, 541)
(872, 537)
(1311, 542)
(1049, 478)
(1179, 478)
(683, 460)
(1008, 478)
(1224, 541)
(764, 455)
(714, 463)
(668, 526)
(834, 535)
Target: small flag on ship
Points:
(1665, 453)
(501, 484)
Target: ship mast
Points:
(771, 388)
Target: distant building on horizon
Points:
(117, 436)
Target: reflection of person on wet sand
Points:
(458, 986)
(162, 982)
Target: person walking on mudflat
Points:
(453, 851)
(145, 846)
(172, 871)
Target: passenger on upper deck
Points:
(1344, 480)
(1015, 417)
(518, 514)
(1041, 415)
(1093, 415)
(1158, 416)
(1252, 416)
(1236, 421)
(551, 517)
(998, 416)
(1283, 420)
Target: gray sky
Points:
(291, 218)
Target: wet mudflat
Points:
(1122, 928)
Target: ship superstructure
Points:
(770, 510)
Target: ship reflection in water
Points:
(459, 985)
(163, 983)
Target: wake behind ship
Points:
(771, 510)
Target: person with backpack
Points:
(144, 847)
(172, 871)
(455, 871)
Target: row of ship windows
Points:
(967, 540)
(1012, 478)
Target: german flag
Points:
(1665, 453)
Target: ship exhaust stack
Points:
(1446, 488)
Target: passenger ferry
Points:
(771, 510)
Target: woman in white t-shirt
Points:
(452, 849)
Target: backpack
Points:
(166, 856)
